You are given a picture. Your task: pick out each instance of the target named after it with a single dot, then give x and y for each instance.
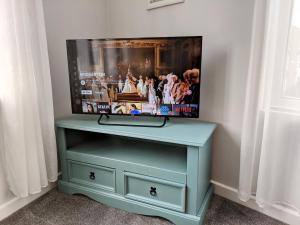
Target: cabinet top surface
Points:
(177, 130)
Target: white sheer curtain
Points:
(270, 153)
(28, 148)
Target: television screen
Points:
(142, 76)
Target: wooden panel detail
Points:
(98, 177)
(155, 191)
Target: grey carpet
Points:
(56, 208)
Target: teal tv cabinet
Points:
(152, 171)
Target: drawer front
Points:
(155, 191)
(92, 175)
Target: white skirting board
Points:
(274, 212)
(13, 205)
(225, 191)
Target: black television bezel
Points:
(136, 38)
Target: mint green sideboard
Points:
(151, 171)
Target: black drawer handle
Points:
(153, 191)
(92, 176)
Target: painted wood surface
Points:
(179, 131)
(91, 175)
(169, 157)
(168, 194)
(119, 166)
(120, 202)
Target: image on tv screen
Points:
(147, 76)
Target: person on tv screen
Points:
(151, 92)
(134, 110)
(140, 85)
(192, 77)
(181, 92)
(119, 109)
(120, 84)
(90, 108)
(145, 87)
(160, 87)
(195, 88)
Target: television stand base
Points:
(117, 166)
(131, 125)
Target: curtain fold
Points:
(270, 149)
(279, 180)
(253, 116)
(28, 147)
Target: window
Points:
(292, 71)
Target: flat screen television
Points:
(136, 76)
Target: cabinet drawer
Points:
(92, 175)
(155, 191)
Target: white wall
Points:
(69, 19)
(226, 27)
